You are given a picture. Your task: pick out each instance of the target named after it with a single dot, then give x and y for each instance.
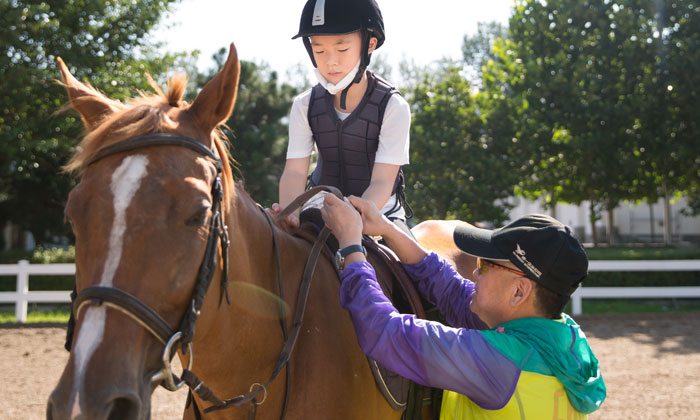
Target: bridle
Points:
(217, 235)
(140, 312)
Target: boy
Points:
(356, 120)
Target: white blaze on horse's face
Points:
(126, 180)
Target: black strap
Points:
(283, 313)
(159, 139)
(250, 397)
(97, 295)
(287, 348)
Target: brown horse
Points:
(142, 215)
(436, 235)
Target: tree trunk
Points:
(668, 239)
(592, 218)
(610, 228)
(651, 222)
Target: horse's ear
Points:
(91, 104)
(215, 102)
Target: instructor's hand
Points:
(374, 223)
(342, 219)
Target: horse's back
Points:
(436, 235)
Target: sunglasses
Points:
(483, 265)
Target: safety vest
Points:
(347, 148)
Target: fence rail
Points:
(22, 296)
(636, 292)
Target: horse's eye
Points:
(198, 219)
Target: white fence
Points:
(23, 270)
(636, 292)
(22, 295)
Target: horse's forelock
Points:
(176, 88)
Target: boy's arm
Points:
(293, 182)
(381, 184)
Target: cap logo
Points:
(319, 17)
(520, 255)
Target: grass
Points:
(640, 253)
(55, 316)
(637, 306)
(58, 314)
(590, 306)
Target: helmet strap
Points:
(364, 62)
(309, 49)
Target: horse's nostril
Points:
(123, 408)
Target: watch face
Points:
(339, 259)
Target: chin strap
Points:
(364, 62)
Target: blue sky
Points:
(417, 30)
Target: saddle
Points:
(399, 392)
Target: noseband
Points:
(218, 234)
(143, 314)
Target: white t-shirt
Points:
(393, 137)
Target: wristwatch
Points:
(344, 252)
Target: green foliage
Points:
(477, 50)
(104, 42)
(606, 93)
(258, 128)
(457, 170)
(53, 255)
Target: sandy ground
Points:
(651, 365)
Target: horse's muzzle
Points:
(118, 407)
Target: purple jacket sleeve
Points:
(440, 283)
(426, 352)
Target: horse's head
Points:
(143, 216)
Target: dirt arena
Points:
(651, 365)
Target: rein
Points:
(217, 235)
(202, 390)
(130, 305)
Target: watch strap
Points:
(352, 248)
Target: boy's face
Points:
(336, 55)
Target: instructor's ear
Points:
(524, 288)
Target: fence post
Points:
(22, 291)
(576, 303)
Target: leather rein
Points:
(217, 236)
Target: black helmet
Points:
(338, 17)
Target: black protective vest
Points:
(347, 147)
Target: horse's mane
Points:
(146, 114)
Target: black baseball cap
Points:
(539, 245)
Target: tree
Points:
(669, 91)
(105, 42)
(457, 171)
(258, 126)
(477, 50)
(579, 76)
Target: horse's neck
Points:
(254, 248)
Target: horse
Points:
(153, 214)
(436, 235)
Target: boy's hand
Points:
(343, 220)
(374, 223)
(291, 221)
